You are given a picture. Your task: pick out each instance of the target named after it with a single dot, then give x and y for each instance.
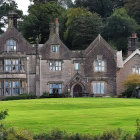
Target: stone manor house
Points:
(53, 68)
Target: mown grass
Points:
(82, 115)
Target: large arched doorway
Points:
(77, 91)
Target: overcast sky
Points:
(23, 5)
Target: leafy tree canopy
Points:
(102, 7)
(83, 30)
(37, 22)
(119, 27)
(5, 7)
(133, 8)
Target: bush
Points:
(137, 135)
(48, 95)
(19, 97)
(130, 84)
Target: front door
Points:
(77, 91)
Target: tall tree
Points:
(119, 27)
(83, 30)
(133, 8)
(37, 22)
(102, 7)
(5, 7)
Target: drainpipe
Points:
(28, 75)
(40, 76)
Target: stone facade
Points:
(52, 67)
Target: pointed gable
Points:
(46, 50)
(99, 45)
(22, 45)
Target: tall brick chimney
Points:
(12, 19)
(132, 43)
(52, 31)
(57, 26)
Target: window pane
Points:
(102, 88)
(76, 66)
(98, 87)
(94, 88)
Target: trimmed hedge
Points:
(19, 97)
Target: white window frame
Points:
(55, 65)
(99, 87)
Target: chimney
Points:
(12, 19)
(52, 29)
(132, 43)
(57, 26)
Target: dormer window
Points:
(11, 45)
(55, 48)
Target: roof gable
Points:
(23, 45)
(137, 51)
(45, 51)
(98, 42)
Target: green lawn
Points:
(83, 115)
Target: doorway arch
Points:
(77, 90)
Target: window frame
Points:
(55, 65)
(55, 87)
(11, 45)
(98, 87)
(55, 48)
(14, 87)
(136, 70)
(15, 65)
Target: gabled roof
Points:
(12, 32)
(99, 41)
(46, 52)
(137, 51)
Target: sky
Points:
(23, 5)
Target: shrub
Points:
(130, 84)
(3, 114)
(19, 97)
(48, 95)
(137, 135)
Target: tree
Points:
(118, 28)
(37, 22)
(83, 30)
(131, 83)
(102, 7)
(5, 7)
(133, 8)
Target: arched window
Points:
(11, 45)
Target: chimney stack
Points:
(52, 29)
(12, 19)
(132, 43)
(57, 26)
